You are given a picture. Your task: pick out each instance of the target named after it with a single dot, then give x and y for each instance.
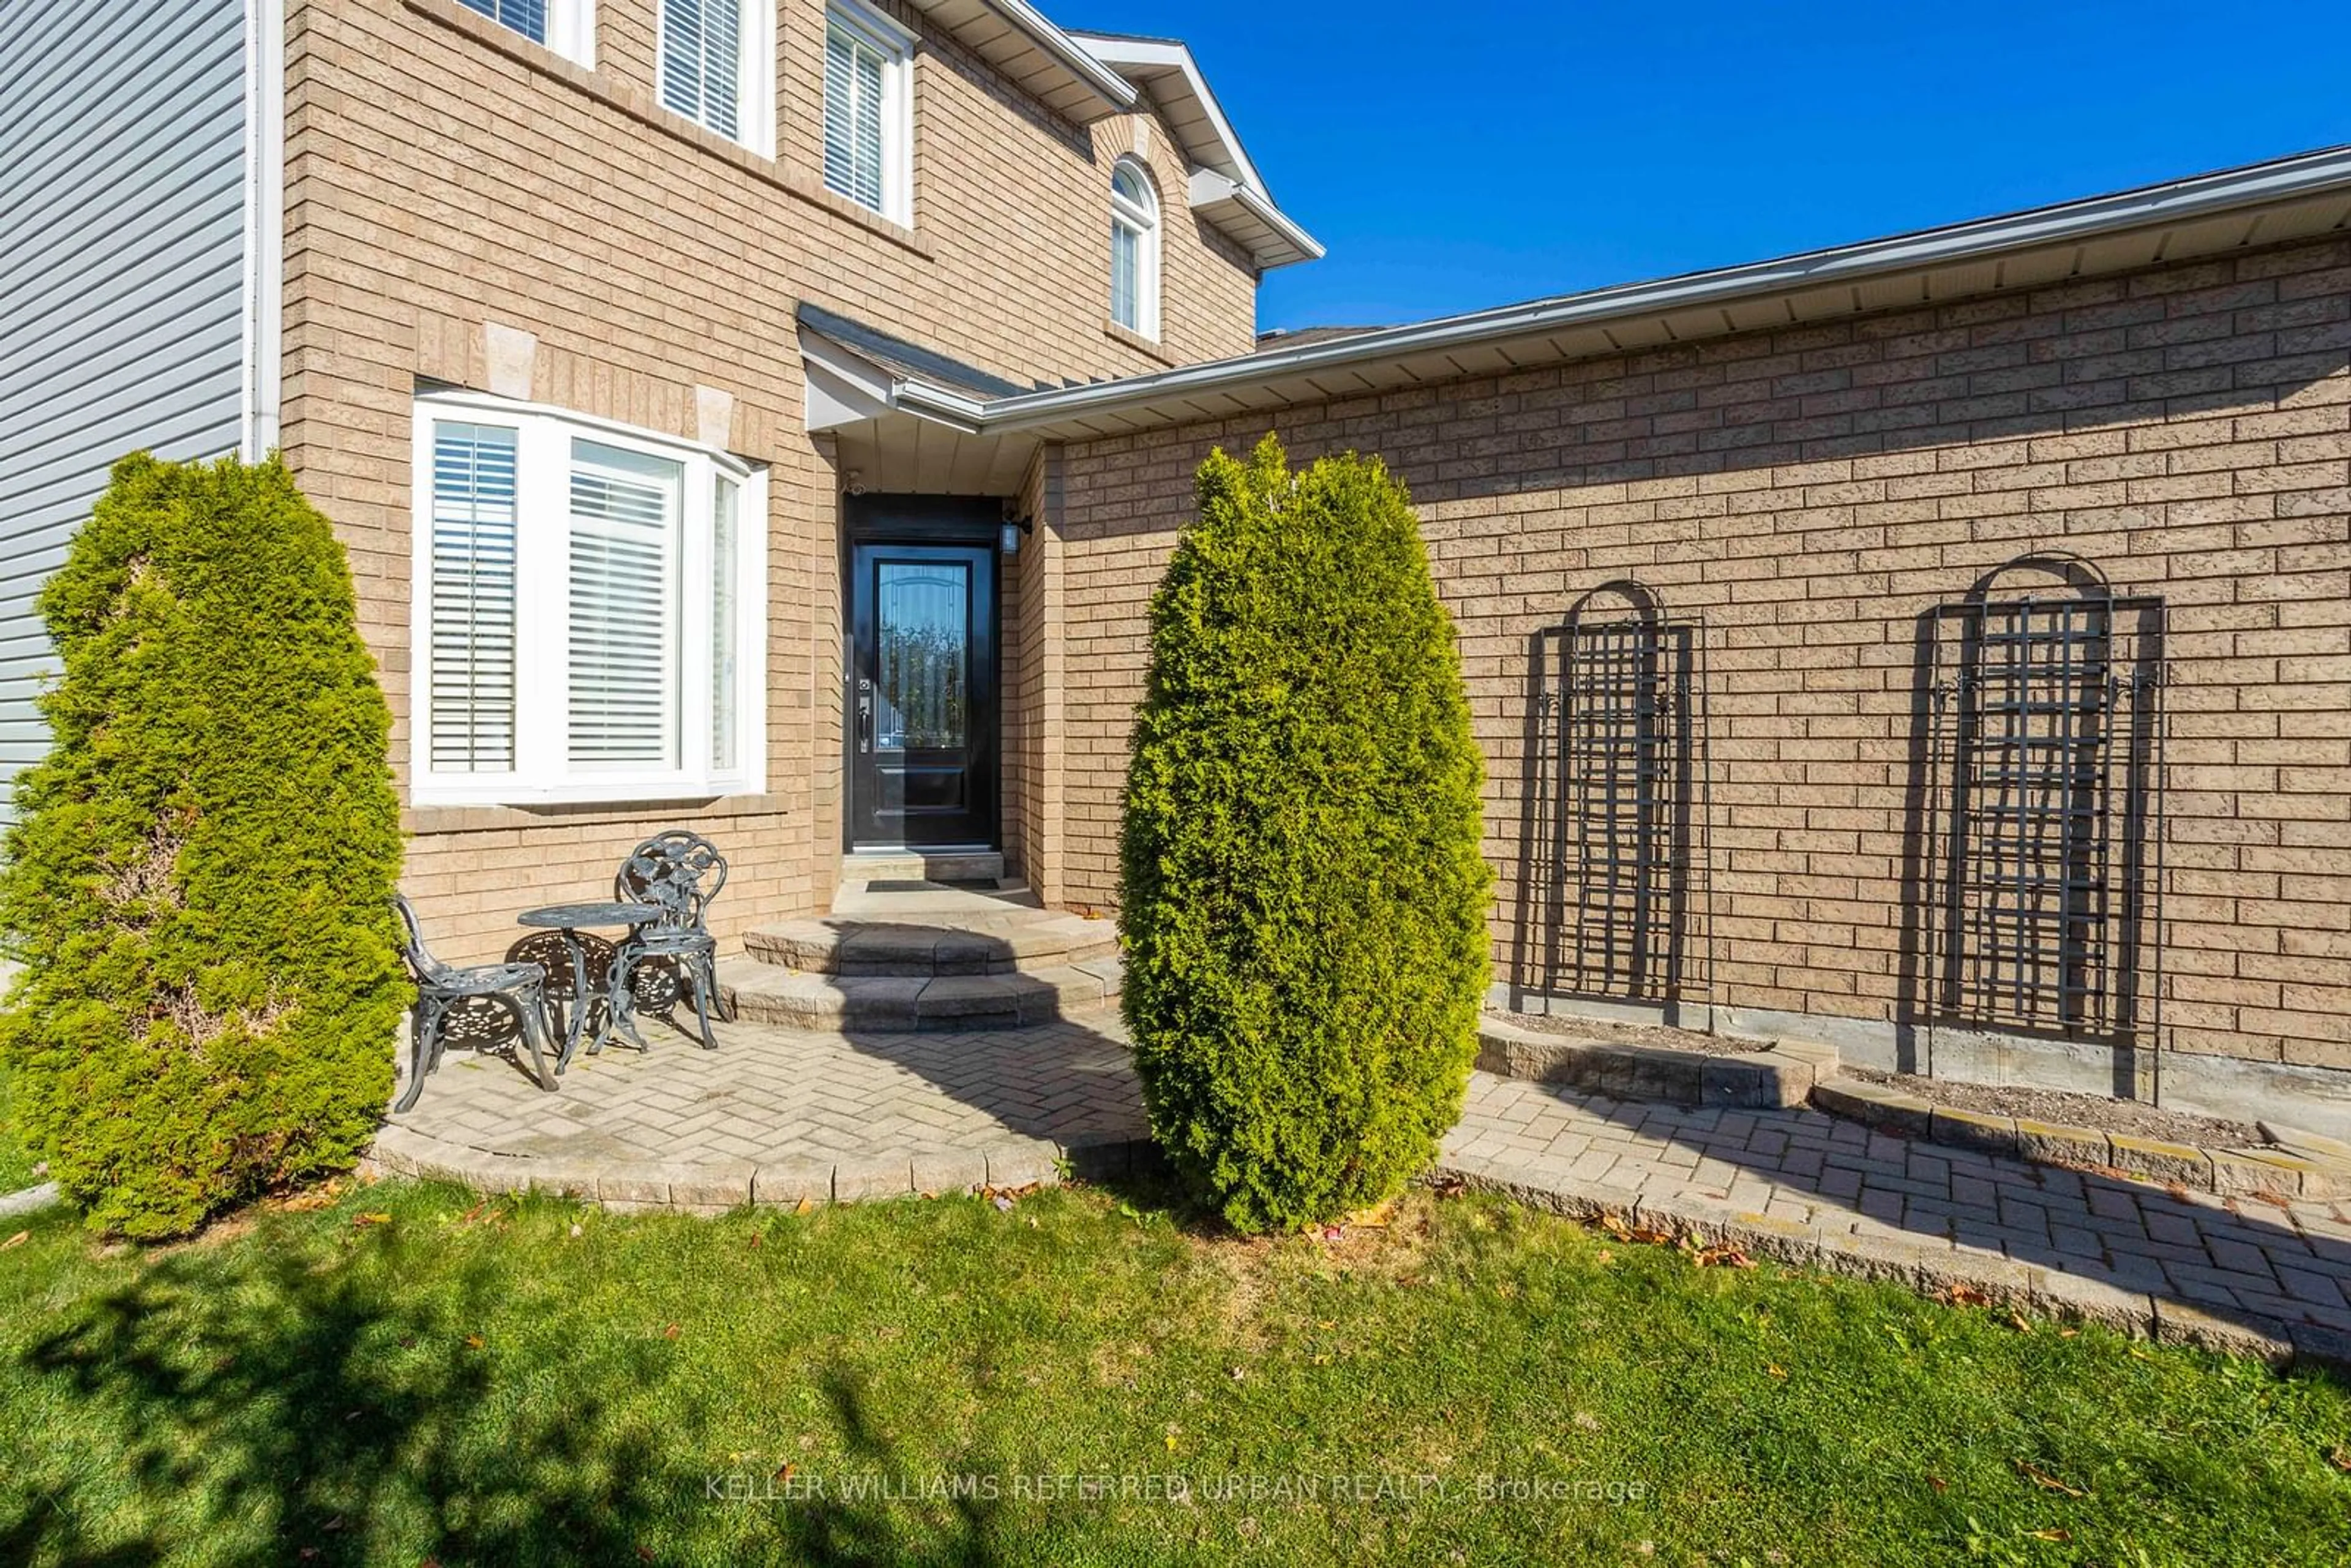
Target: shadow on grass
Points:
(273, 1404)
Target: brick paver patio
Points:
(2238, 1273)
(781, 1115)
(819, 1115)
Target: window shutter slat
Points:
(472, 600)
(625, 522)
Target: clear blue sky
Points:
(1468, 153)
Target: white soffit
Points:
(1043, 61)
(1226, 188)
(2299, 197)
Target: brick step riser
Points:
(1026, 1013)
(825, 958)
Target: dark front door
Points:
(921, 695)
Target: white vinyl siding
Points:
(472, 689)
(867, 126)
(717, 65)
(122, 173)
(589, 610)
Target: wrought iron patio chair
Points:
(484, 1006)
(680, 873)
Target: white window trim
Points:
(543, 773)
(1148, 222)
(755, 89)
(571, 30)
(896, 43)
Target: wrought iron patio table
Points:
(612, 1011)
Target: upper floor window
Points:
(716, 66)
(589, 611)
(567, 27)
(1134, 250)
(869, 110)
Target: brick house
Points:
(773, 420)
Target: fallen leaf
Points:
(1776, 1370)
(1003, 1204)
(671, 1332)
(1961, 1295)
(473, 1341)
(805, 1205)
(577, 1231)
(1376, 1217)
(2053, 1535)
(1606, 1255)
(363, 1219)
(2019, 1322)
(2341, 1459)
(2046, 1481)
(1723, 1258)
(16, 1241)
(1938, 1482)
(755, 1239)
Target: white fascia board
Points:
(1212, 191)
(845, 388)
(2313, 175)
(1113, 89)
(1162, 55)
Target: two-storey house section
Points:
(586, 310)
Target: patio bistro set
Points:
(563, 982)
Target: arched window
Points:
(1134, 250)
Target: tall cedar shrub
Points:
(199, 885)
(1304, 909)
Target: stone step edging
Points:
(719, 1186)
(2301, 1165)
(1778, 1078)
(1928, 1267)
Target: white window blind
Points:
(702, 45)
(862, 116)
(591, 609)
(725, 612)
(471, 647)
(624, 559)
(527, 18)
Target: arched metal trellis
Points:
(1619, 803)
(2044, 914)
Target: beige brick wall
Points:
(466, 206)
(1811, 493)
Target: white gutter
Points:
(2205, 195)
(1114, 89)
(1209, 188)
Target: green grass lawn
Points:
(410, 1374)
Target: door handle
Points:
(864, 718)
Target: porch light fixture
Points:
(1008, 537)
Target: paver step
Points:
(949, 944)
(923, 866)
(897, 1004)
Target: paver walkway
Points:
(783, 1115)
(819, 1115)
(2271, 1277)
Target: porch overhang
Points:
(898, 429)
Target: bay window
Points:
(589, 622)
